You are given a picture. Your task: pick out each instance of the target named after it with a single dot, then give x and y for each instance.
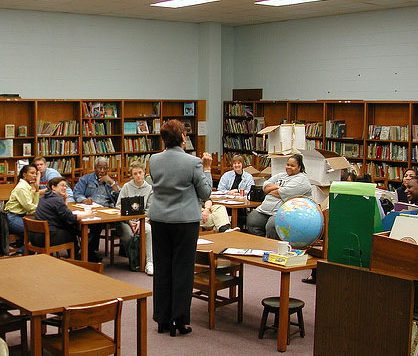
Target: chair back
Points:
(91, 266)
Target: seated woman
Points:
(278, 188)
(215, 216)
(401, 191)
(61, 220)
(137, 187)
(236, 180)
(23, 201)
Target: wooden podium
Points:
(368, 312)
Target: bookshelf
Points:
(72, 133)
(347, 127)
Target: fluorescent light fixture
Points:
(174, 4)
(282, 2)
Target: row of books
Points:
(142, 127)
(383, 170)
(100, 110)
(61, 128)
(389, 151)
(248, 158)
(62, 165)
(95, 146)
(335, 129)
(141, 144)
(415, 133)
(313, 144)
(313, 129)
(238, 143)
(48, 147)
(414, 153)
(141, 158)
(393, 133)
(87, 162)
(348, 150)
(248, 126)
(261, 143)
(237, 109)
(94, 128)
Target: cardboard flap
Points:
(338, 163)
(266, 171)
(251, 170)
(268, 129)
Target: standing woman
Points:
(23, 200)
(179, 180)
(278, 188)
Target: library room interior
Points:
(209, 176)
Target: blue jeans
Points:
(15, 224)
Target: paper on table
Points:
(91, 218)
(93, 205)
(230, 202)
(109, 211)
(217, 192)
(203, 241)
(244, 251)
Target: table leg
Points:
(36, 335)
(283, 312)
(84, 242)
(141, 326)
(234, 217)
(142, 245)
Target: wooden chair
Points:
(10, 322)
(209, 279)
(79, 334)
(76, 173)
(41, 226)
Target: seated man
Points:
(46, 174)
(100, 188)
(412, 190)
(215, 216)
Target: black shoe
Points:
(309, 280)
(95, 257)
(163, 327)
(183, 329)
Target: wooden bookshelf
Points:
(341, 126)
(72, 133)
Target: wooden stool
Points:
(272, 305)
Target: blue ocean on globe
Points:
(299, 221)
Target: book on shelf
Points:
(110, 110)
(156, 126)
(9, 131)
(22, 131)
(384, 133)
(188, 109)
(259, 123)
(292, 258)
(6, 148)
(188, 126)
(130, 127)
(189, 144)
(156, 109)
(96, 110)
(27, 149)
(142, 126)
(415, 133)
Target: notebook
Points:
(132, 206)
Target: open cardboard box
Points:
(285, 138)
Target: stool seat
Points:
(272, 305)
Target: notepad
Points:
(243, 251)
(201, 241)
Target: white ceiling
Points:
(229, 12)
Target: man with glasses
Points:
(97, 187)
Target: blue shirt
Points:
(101, 193)
(228, 178)
(47, 176)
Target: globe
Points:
(299, 221)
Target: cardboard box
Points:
(284, 139)
(322, 167)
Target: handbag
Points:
(256, 193)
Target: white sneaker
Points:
(149, 268)
(234, 229)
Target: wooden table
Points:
(243, 240)
(105, 219)
(41, 284)
(241, 203)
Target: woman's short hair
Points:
(171, 133)
(409, 169)
(136, 165)
(25, 169)
(238, 158)
(55, 181)
(299, 160)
